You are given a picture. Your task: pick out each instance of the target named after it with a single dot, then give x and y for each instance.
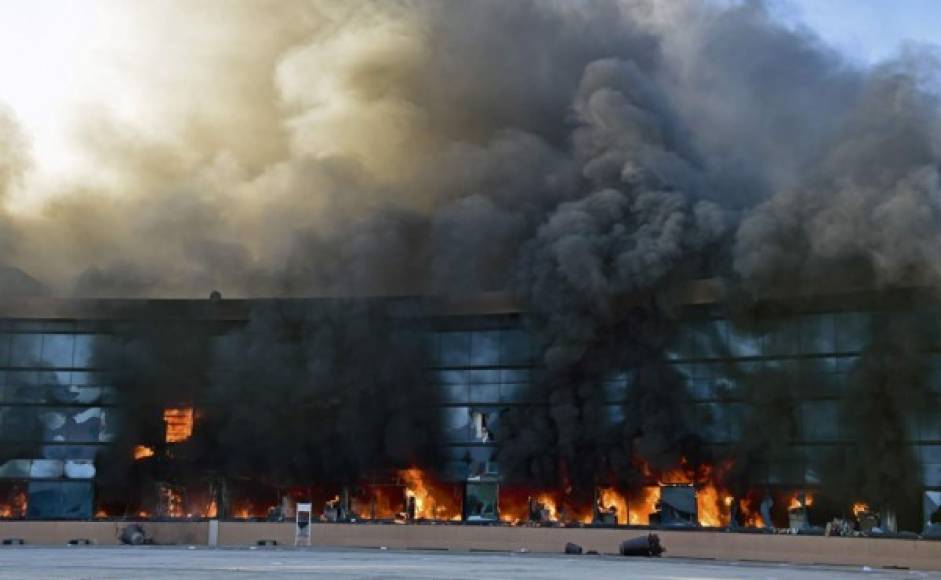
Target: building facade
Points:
(58, 411)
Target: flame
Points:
(172, 502)
(142, 451)
(16, 507)
(611, 498)
(860, 508)
(212, 510)
(432, 501)
(247, 509)
(713, 506)
(750, 517)
(179, 424)
(642, 504)
(515, 503)
(795, 502)
(710, 507)
(548, 503)
(101, 514)
(381, 502)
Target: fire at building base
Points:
(157, 420)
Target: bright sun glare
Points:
(54, 58)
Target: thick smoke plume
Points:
(298, 402)
(386, 147)
(589, 158)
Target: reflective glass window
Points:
(25, 350)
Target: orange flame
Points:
(860, 508)
(795, 502)
(515, 504)
(750, 517)
(142, 451)
(179, 424)
(713, 507)
(381, 502)
(212, 510)
(642, 504)
(247, 510)
(548, 503)
(709, 505)
(172, 502)
(432, 501)
(16, 507)
(610, 498)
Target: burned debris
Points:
(648, 546)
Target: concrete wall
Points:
(915, 554)
(102, 533)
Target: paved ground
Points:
(179, 562)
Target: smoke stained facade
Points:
(70, 433)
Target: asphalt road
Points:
(151, 562)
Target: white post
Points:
(302, 524)
(213, 532)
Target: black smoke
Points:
(325, 392)
(589, 159)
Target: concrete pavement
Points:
(153, 562)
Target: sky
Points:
(867, 31)
(57, 58)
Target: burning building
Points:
(77, 447)
(669, 262)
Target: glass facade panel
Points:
(457, 424)
(931, 464)
(852, 331)
(819, 421)
(60, 500)
(57, 349)
(25, 350)
(514, 375)
(743, 343)
(783, 339)
(485, 348)
(517, 348)
(454, 393)
(613, 414)
(454, 349)
(931, 426)
(5, 349)
(449, 377)
(818, 334)
(485, 393)
(513, 393)
(484, 377)
(84, 349)
(705, 339)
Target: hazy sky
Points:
(868, 30)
